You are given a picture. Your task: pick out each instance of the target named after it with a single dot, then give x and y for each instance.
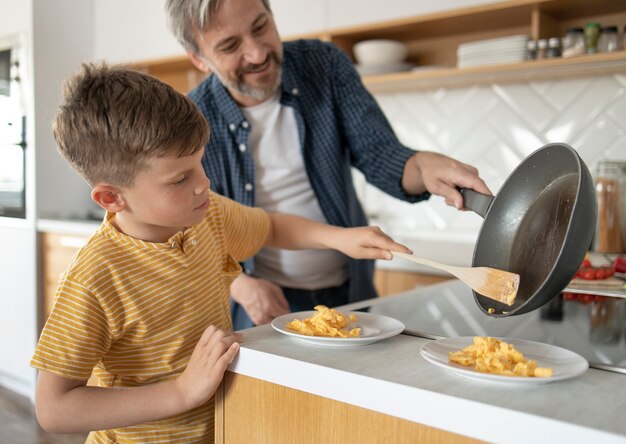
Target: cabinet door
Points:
(57, 251)
(390, 282)
(18, 308)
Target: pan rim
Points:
(575, 209)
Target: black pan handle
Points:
(479, 203)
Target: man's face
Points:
(243, 48)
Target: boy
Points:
(144, 305)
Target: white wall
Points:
(355, 12)
(63, 38)
(136, 30)
(18, 310)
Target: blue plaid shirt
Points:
(339, 125)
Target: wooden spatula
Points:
(495, 284)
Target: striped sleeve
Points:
(76, 334)
(245, 228)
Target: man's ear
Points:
(108, 197)
(198, 62)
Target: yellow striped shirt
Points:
(133, 311)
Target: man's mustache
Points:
(254, 67)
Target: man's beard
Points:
(241, 87)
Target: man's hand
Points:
(262, 300)
(441, 175)
(212, 354)
(366, 243)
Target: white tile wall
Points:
(494, 128)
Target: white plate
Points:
(566, 364)
(374, 328)
(373, 70)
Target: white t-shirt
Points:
(283, 186)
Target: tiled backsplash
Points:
(494, 128)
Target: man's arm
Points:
(377, 152)
(64, 405)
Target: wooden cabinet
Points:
(433, 39)
(178, 72)
(389, 282)
(56, 252)
(255, 411)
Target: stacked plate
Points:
(510, 49)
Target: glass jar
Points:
(573, 42)
(554, 48)
(608, 42)
(531, 50)
(592, 33)
(610, 184)
(606, 322)
(542, 49)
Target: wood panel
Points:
(254, 411)
(56, 252)
(390, 282)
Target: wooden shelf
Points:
(583, 66)
(433, 39)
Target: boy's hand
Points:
(214, 351)
(367, 243)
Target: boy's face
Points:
(243, 48)
(170, 195)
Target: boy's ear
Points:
(198, 62)
(108, 197)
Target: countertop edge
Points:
(68, 227)
(464, 417)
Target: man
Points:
(289, 120)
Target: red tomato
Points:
(588, 274)
(619, 264)
(586, 263)
(600, 273)
(587, 298)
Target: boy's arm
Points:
(295, 233)
(64, 405)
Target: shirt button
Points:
(242, 147)
(295, 91)
(249, 187)
(232, 127)
(245, 124)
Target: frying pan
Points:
(539, 225)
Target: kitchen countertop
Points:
(392, 378)
(76, 227)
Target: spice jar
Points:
(608, 42)
(554, 48)
(573, 42)
(542, 49)
(592, 33)
(531, 50)
(610, 184)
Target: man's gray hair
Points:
(186, 18)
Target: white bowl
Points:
(379, 52)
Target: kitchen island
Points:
(280, 390)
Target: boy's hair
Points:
(114, 119)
